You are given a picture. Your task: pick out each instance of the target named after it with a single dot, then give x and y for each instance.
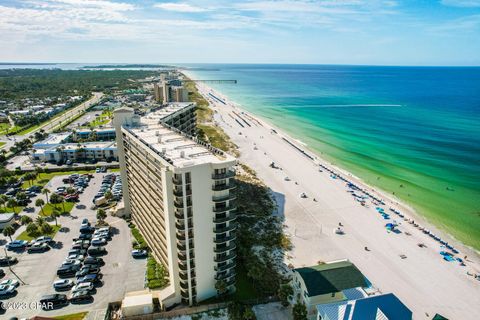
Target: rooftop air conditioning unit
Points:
(182, 154)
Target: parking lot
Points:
(37, 271)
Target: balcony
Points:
(223, 258)
(224, 239)
(184, 275)
(231, 227)
(224, 208)
(183, 256)
(220, 249)
(224, 186)
(181, 235)
(222, 218)
(179, 213)
(228, 174)
(180, 225)
(177, 181)
(225, 267)
(225, 275)
(177, 192)
(229, 196)
(179, 204)
(182, 265)
(183, 246)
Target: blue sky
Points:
(381, 32)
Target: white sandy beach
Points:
(422, 279)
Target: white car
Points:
(70, 262)
(6, 290)
(75, 256)
(10, 282)
(83, 286)
(63, 284)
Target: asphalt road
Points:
(121, 272)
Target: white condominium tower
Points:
(178, 192)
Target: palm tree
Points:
(45, 191)
(57, 199)
(40, 221)
(40, 203)
(248, 314)
(46, 228)
(8, 231)
(55, 215)
(12, 203)
(108, 195)
(25, 220)
(32, 229)
(101, 214)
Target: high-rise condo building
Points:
(178, 191)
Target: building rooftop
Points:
(70, 147)
(381, 307)
(331, 277)
(53, 139)
(175, 147)
(170, 109)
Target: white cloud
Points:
(462, 3)
(179, 7)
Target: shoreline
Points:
(308, 223)
(392, 199)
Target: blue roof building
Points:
(379, 307)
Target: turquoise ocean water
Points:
(412, 131)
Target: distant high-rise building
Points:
(158, 92)
(178, 191)
(170, 91)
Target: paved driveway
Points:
(121, 272)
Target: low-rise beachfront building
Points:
(378, 307)
(178, 191)
(96, 151)
(325, 283)
(6, 219)
(53, 140)
(102, 134)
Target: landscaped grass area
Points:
(48, 208)
(140, 241)
(73, 316)
(156, 274)
(10, 210)
(43, 178)
(2, 144)
(25, 236)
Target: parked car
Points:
(38, 247)
(2, 273)
(76, 256)
(10, 282)
(89, 269)
(53, 301)
(67, 271)
(70, 262)
(6, 290)
(64, 284)
(17, 244)
(44, 239)
(85, 236)
(81, 297)
(83, 286)
(94, 261)
(97, 251)
(137, 254)
(8, 261)
(87, 229)
(90, 278)
(98, 242)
